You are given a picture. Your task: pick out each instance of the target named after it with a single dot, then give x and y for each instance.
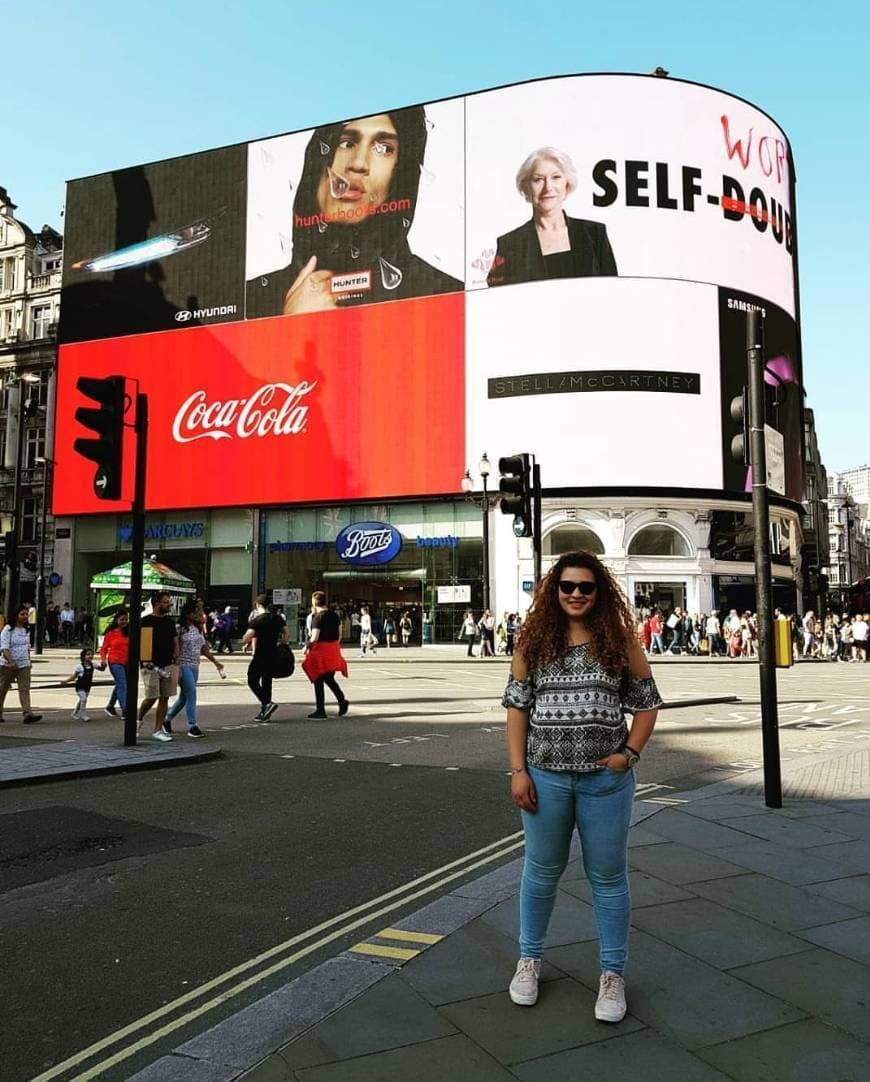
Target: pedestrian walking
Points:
(15, 662)
(486, 628)
(225, 631)
(266, 630)
(160, 674)
(192, 645)
(83, 678)
(656, 630)
(323, 657)
(67, 623)
(367, 640)
(405, 626)
(115, 652)
(713, 631)
(467, 631)
(860, 635)
(577, 671)
(52, 624)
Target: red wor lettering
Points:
(736, 148)
(768, 160)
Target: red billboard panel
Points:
(365, 404)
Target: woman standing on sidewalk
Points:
(578, 669)
(192, 645)
(114, 652)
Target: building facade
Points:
(30, 281)
(849, 540)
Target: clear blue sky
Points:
(96, 85)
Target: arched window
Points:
(571, 539)
(658, 540)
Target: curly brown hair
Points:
(544, 635)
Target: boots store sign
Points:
(363, 544)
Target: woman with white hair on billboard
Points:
(550, 244)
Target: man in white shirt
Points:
(713, 632)
(860, 632)
(67, 623)
(15, 663)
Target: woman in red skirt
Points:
(323, 656)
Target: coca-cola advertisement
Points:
(284, 410)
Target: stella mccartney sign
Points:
(597, 380)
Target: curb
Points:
(72, 771)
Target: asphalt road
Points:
(120, 894)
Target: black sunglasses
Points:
(567, 587)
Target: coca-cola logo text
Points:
(275, 409)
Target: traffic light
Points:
(108, 423)
(515, 489)
(10, 549)
(740, 414)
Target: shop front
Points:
(420, 560)
(211, 548)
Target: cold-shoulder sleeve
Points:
(519, 694)
(639, 693)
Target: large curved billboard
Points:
(562, 266)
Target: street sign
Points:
(775, 453)
(528, 586)
(292, 596)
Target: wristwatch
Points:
(631, 756)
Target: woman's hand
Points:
(523, 791)
(617, 762)
(310, 292)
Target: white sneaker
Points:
(160, 735)
(75, 716)
(610, 1005)
(523, 988)
(84, 717)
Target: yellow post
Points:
(782, 644)
(146, 639)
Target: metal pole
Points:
(137, 557)
(761, 516)
(13, 572)
(536, 520)
(485, 544)
(40, 582)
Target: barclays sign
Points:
(367, 544)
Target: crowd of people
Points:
(699, 634)
(834, 637)
(492, 638)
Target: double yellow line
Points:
(320, 936)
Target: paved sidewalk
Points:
(750, 960)
(61, 760)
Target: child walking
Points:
(83, 677)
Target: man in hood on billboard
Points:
(353, 210)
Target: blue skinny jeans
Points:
(186, 698)
(119, 691)
(599, 805)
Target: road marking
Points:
(402, 954)
(502, 847)
(409, 937)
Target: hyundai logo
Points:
(183, 316)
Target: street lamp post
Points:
(483, 467)
(47, 464)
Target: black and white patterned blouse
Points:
(577, 710)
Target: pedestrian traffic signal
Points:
(108, 423)
(740, 415)
(515, 489)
